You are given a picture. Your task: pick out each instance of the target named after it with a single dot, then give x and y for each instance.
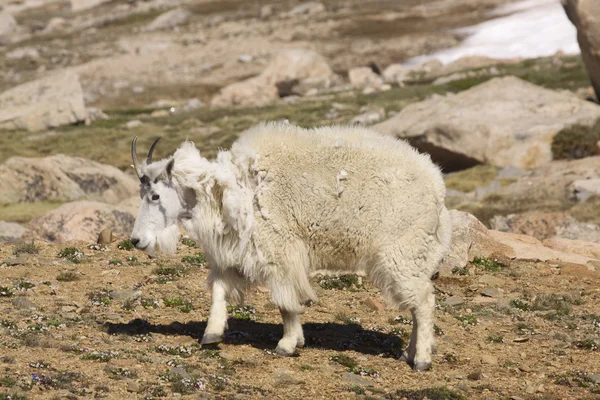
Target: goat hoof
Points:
(421, 366)
(284, 352)
(211, 338)
(300, 343)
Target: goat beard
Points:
(167, 240)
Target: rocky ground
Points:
(518, 300)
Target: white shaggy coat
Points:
(286, 202)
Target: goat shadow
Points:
(264, 336)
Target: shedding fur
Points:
(286, 202)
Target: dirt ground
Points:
(114, 324)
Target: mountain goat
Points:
(286, 202)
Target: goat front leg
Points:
(217, 319)
(292, 333)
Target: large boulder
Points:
(82, 220)
(505, 121)
(10, 232)
(46, 103)
(472, 239)
(8, 25)
(297, 67)
(585, 15)
(62, 178)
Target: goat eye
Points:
(155, 197)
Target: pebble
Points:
(133, 124)
(181, 372)
(491, 280)
(595, 379)
(488, 359)
(492, 292)
(374, 304)
(454, 301)
(12, 262)
(124, 295)
(22, 303)
(283, 377)
(354, 379)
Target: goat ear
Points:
(169, 168)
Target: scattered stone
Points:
(81, 220)
(179, 371)
(395, 73)
(583, 189)
(111, 272)
(81, 5)
(136, 123)
(296, 70)
(578, 270)
(475, 376)
(492, 292)
(521, 339)
(489, 359)
(168, 20)
(61, 178)
(94, 114)
(369, 117)
(193, 104)
(283, 377)
(491, 123)
(42, 104)
(484, 300)
(354, 379)
(595, 378)
(266, 11)
(105, 236)
(125, 295)
(491, 280)
(245, 58)
(454, 301)
(363, 78)
(22, 303)
(13, 262)
(160, 113)
(55, 24)
(374, 304)
(11, 232)
(308, 8)
(23, 52)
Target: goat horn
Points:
(149, 158)
(136, 162)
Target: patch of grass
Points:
(8, 382)
(169, 273)
(400, 319)
(173, 301)
(100, 298)
(346, 319)
(590, 344)
(26, 248)
(462, 271)
(67, 276)
(125, 245)
(342, 282)
(103, 356)
(488, 264)
(132, 260)
(24, 284)
(149, 302)
(23, 213)
(520, 304)
(180, 350)
(242, 312)
(115, 262)
(16, 396)
(577, 378)
(5, 291)
(576, 141)
(436, 393)
(470, 179)
(466, 319)
(450, 358)
(357, 389)
(188, 242)
(495, 338)
(198, 259)
(72, 254)
(353, 366)
(306, 367)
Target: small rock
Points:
(11, 262)
(522, 339)
(354, 379)
(110, 272)
(475, 376)
(133, 124)
(484, 300)
(369, 117)
(180, 372)
(488, 359)
(125, 295)
(266, 11)
(23, 52)
(577, 270)
(492, 292)
(159, 114)
(309, 8)
(134, 387)
(169, 19)
(245, 58)
(105, 236)
(284, 378)
(491, 280)
(374, 304)
(595, 378)
(454, 301)
(193, 104)
(22, 303)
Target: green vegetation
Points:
(242, 312)
(67, 276)
(487, 264)
(100, 298)
(125, 245)
(198, 259)
(72, 254)
(342, 282)
(437, 393)
(470, 179)
(495, 338)
(24, 212)
(466, 319)
(353, 366)
(188, 242)
(26, 248)
(5, 291)
(577, 141)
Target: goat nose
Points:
(135, 241)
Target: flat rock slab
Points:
(354, 379)
(505, 121)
